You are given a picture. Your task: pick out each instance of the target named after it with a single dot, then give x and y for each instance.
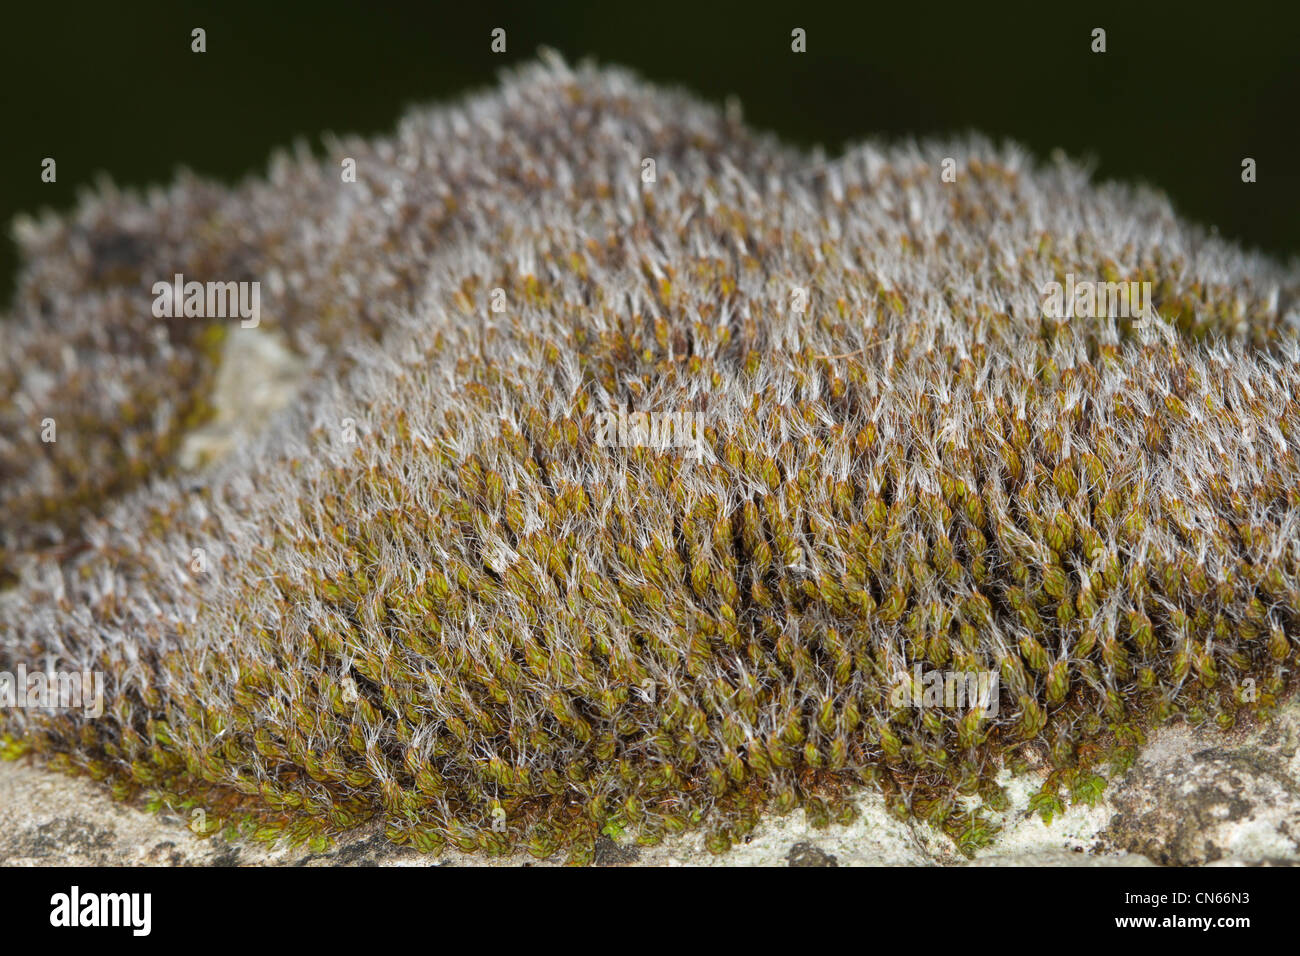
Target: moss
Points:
(488, 629)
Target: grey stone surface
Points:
(1189, 801)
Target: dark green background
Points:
(1180, 97)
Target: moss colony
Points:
(484, 627)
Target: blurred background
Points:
(1179, 98)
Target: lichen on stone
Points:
(433, 597)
